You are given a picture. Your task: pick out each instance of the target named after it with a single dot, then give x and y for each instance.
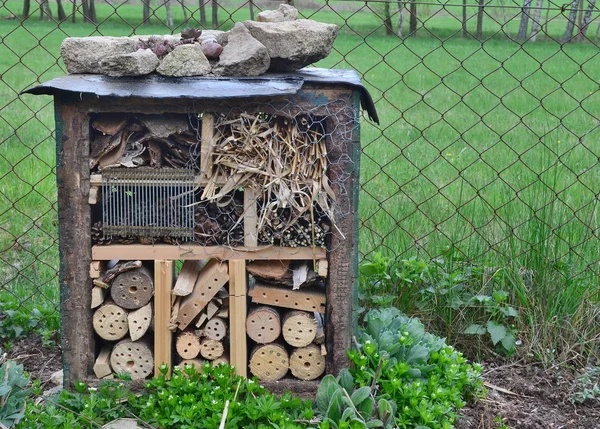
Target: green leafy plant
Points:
(13, 392)
(586, 387)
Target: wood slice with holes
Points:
(132, 289)
(307, 363)
(215, 329)
(263, 324)
(299, 328)
(223, 359)
(132, 357)
(188, 345)
(110, 322)
(269, 362)
(196, 363)
(211, 349)
(139, 321)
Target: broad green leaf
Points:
(497, 331)
(4, 390)
(375, 423)
(322, 392)
(359, 395)
(348, 414)
(346, 380)
(474, 329)
(508, 342)
(417, 354)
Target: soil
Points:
(39, 361)
(529, 397)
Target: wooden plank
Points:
(208, 130)
(102, 364)
(212, 277)
(250, 218)
(163, 281)
(237, 317)
(195, 252)
(98, 295)
(94, 195)
(139, 321)
(96, 268)
(187, 278)
(307, 300)
(323, 267)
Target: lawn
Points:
(486, 151)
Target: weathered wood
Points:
(250, 217)
(307, 363)
(121, 267)
(320, 319)
(133, 357)
(237, 316)
(196, 363)
(133, 289)
(223, 359)
(212, 309)
(307, 300)
(112, 158)
(192, 251)
(223, 312)
(269, 362)
(96, 269)
(139, 321)
(322, 267)
(299, 328)
(187, 345)
(215, 329)
(110, 322)
(102, 364)
(98, 295)
(271, 271)
(207, 142)
(109, 123)
(174, 312)
(94, 195)
(299, 275)
(163, 279)
(212, 277)
(201, 320)
(211, 349)
(187, 278)
(263, 324)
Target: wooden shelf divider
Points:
(237, 316)
(163, 282)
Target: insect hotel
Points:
(206, 219)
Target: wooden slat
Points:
(208, 130)
(94, 195)
(96, 269)
(187, 278)
(237, 317)
(250, 218)
(190, 252)
(163, 282)
(284, 297)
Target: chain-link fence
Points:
(487, 150)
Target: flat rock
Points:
(122, 424)
(85, 54)
(185, 60)
(290, 13)
(243, 55)
(294, 44)
(137, 63)
(270, 16)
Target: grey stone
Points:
(85, 54)
(294, 44)
(138, 63)
(211, 49)
(185, 60)
(289, 12)
(122, 424)
(243, 55)
(270, 16)
(215, 35)
(57, 378)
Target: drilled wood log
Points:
(133, 289)
(307, 300)
(271, 271)
(299, 328)
(110, 322)
(263, 324)
(269, 362)
(102, 364)
(211, 349)
(307, 363)
(196, 363)
(139, 321)
(121, 267)
(134, 358)
(215, 329)
(188, 345)
(223, 359)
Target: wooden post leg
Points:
(237, 317)
(163, 282)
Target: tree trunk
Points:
(465, 32)
(597, 33)
(537, 16)
(74, 11)
(146, 12)
(169, 14)
(522, 35)
(93, 17)
(588, 17)
(215, 14)
(251, 7)
(45, 10)
(61, 11)
(571, 22)
(184, 10)
(26, 8)
(413, 18)
(400, 17)
(480, 20)
(579, 20)
(387, 19)
(202, 14)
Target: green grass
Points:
(490, 149)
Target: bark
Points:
(537, 16)
(61, 11)
(169, 14)
(413, 18)
(202, 14)
(597, 33)
(579, 20)
(387, 19)
(251, 7)
(93, 17)
(522, 35)
(184, 9)
(400, 17)
(465, 32)
(588, 17)
(45, 10)
(571, 22)
(480, 20)
(26, 8)
(215, 14)
(146, 12)
(74, 11)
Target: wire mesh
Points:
(487, 148)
